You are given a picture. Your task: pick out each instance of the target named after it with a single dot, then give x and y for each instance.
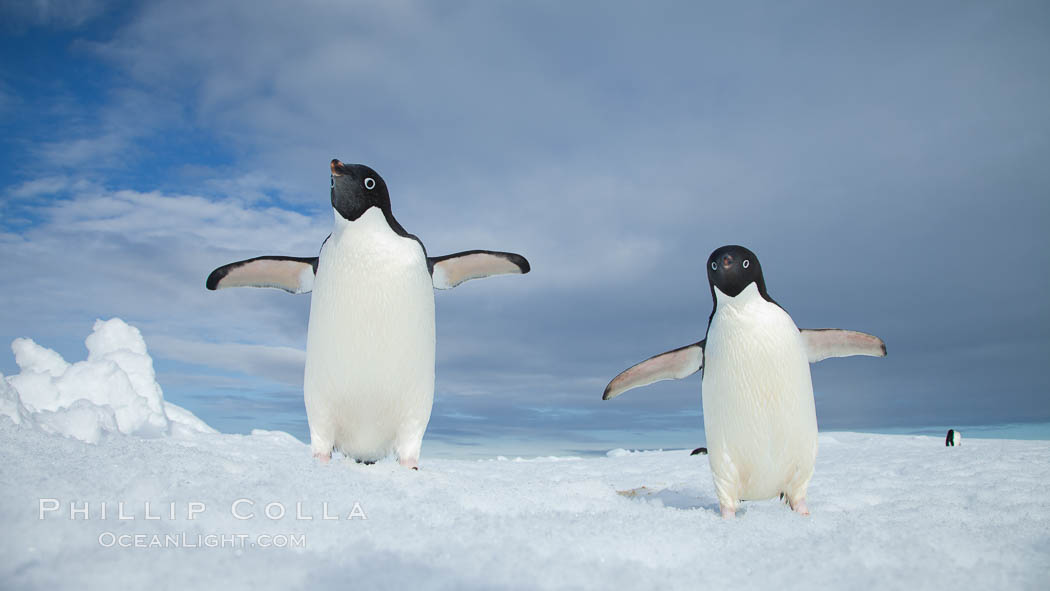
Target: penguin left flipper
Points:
(821, 343)
(452, 269)
(292, 274)
(672, 365)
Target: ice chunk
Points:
(32, 357)
(114, 390)
(81, 420)
(10, 405)
(184, 420)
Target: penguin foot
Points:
(365, 462)
(727, 512)
(409, 463)
(800, 508)
(324, 457)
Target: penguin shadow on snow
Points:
(686, 499)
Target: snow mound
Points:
(114, 390)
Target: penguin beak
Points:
(337, 167)
(727, 261)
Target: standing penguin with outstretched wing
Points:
(759, 416)
(369, 380)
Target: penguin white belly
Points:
(369, 384)
(759, 416)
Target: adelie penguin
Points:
(369, 380)
(759, 416)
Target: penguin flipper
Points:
(452, 269)
(672, 365)
(292, 274)
(822, 343)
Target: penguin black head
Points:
(732, 268)
(355, 188)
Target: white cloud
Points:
(116, 135)
(280, 364)
(146, 255)
(39, 187)
(60, 14)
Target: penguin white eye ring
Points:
(714, 266)
(370, 183)
(747, 263)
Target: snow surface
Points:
(889, 511)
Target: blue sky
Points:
(886, 161)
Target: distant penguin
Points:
(369, 380)
(954, 438)
(759, 417)
(700, 451)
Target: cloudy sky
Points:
(886, 161)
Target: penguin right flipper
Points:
(452, 269)
(292, 274)
(672, 365)
(821, 343)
